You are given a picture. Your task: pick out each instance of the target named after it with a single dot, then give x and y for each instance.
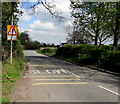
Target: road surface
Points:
(52, 80)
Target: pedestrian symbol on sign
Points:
(12, 32)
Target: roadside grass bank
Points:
(96, 57)
(10, 74)
(50, 51)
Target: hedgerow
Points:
(102, 56)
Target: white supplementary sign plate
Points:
(12, 37)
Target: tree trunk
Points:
(97, 30)
(73, 40)
(117, 26)
(96, 37)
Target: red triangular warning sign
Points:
(12, 31)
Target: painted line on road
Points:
(53, 79)
(38, 71)
(47, 71)
(71, 73)
(54, 76)
(58, 83)
(48, 65)
(109, 90)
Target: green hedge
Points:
(102, 56)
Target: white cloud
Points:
(25, 16)
(63, 5)
(44, 26)
(46, 36)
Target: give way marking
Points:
(56, 71)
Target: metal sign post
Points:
(11, 45)
(11, 54)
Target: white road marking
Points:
(32, 71)
(53, 79)
(71, 73)
(53, 71)
(38, 71)
(35, 72)
(57, 71)
(63, 71)
(48, 71)
(109, 90)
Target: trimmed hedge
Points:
(102, 55)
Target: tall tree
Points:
(116, 27)
(90, 17)
(9, 9)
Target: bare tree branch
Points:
(50, 7)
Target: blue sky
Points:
(42, 26)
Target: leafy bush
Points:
(32, 45)
(102, 55)
(112, 61)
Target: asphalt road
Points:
(52, 80)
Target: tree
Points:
(95, 18)
(116, 25)
(9, 9)
(78, 38)
(32, 45)
(24, 37)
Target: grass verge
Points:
(50, 51)
(10, 74)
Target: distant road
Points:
(52, 80)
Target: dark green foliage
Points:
(118, 47)
(111, 61)
(102, 56)
(32, 45)
(24, 37)
(8, 9)
(18, 51)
